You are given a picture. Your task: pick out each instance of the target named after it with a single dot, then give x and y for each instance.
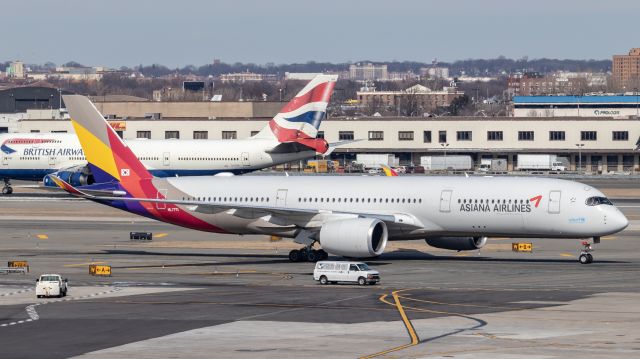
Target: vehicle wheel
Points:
(294, 255)
(590, 258)
(312, 256)
(583, 259)
(362, 281)
(323, 280)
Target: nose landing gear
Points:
(585, 255)
(7, 189)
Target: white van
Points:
(356, 272)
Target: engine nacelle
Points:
(457, 243)
(358, 237)
(75, 176)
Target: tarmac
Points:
(202, 295)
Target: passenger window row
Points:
(357, 200)
(493, 201)
(208, 159)
(148, 158)
(227, 199)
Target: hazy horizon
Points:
(193, 32)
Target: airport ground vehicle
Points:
(493, 165)
(51, 285)
(439, 163)
(540, 162)
(341, 271)
(369, 160)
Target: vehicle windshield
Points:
(49, 278)
(594, 201)
(363, 267)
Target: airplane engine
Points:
(75, 176)
(358, 238)
(457, 243)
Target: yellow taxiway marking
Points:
(42, 236)
(609, 238)
(567, 255)
(407, 324)
(82, 264)
(160, 235)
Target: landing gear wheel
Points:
(312, 256)
(585, 258)
(362, 281)
(295, 255)
(323, 280)
(7, 190)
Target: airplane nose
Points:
(618, 221)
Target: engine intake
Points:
(457, 243)
(358, 237)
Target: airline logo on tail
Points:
(298, 121)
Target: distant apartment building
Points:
(16, 70)
(242, 77)
(368, 72)
(625, 71)
(435, 72)
(571, 83)
(424, 97)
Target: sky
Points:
(118, 33)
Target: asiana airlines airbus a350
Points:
(344, 215)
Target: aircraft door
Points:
(281, 198)
(445, 201)
(165, 158)
(52, 162)
(245, 159)
(554, 202)
(162, 194)
(5, 161)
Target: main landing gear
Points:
(307, 254)
(585, 255)
(7, 189)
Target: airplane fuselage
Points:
(430, 206)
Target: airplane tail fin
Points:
(110, 160)
(299, 120)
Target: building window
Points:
(494, 136)
(442, 136)
(556, 136)
(621, 135)
(345, 135)
(405, 135)
(143, 134)
(229, 135)
(320, 134)
(463, 135)
(376, 135)
(32, 131)
(525, 136)
(588, 135)
(426, 136)
(200, 135)
(171, 134)
(253, 133)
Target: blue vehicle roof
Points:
(573, 99)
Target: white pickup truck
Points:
(51, 285)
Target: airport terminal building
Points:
(577, 106)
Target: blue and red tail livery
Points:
(299, 120)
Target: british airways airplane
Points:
(290, 136)
(346, 216)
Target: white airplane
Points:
(289, 136)
(347, 216)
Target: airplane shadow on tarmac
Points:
(405, 255)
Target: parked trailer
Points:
(540, 162)
(456, 163)
(369, 160)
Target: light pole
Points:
(444, 146)
(636, 91)
(579, 145)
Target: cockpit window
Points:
(594, 201)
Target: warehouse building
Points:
(621, 106)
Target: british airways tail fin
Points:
(298, 121)
(110, 160)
